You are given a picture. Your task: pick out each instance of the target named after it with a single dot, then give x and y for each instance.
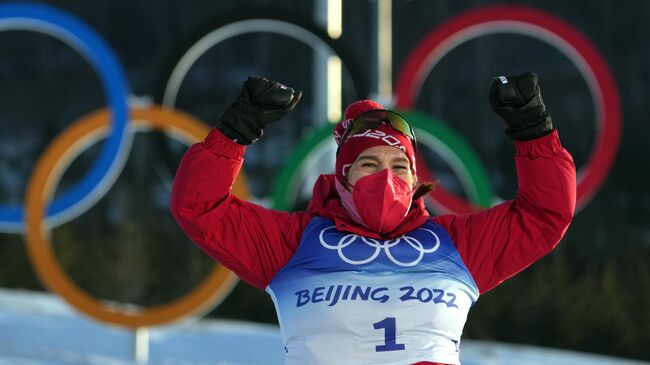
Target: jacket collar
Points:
(325, 203)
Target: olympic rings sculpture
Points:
(42, 212)
(379, 245)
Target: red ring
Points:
(558, 34)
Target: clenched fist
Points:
(517, 99)
(260, 103)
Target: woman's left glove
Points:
(518, 100)
(260, 103)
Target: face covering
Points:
(379, 201)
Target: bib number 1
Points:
(390, 343)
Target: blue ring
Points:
(74, 32)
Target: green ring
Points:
(431, 132)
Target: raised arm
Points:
(251, 240)
(497, 243)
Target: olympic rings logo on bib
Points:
(353, 240)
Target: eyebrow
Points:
(376, 159)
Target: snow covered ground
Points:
(41, 329)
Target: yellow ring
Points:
(57, 157)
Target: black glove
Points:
(260, 103)
(518, 101)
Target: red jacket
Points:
(255, 242)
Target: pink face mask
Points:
(379, 201)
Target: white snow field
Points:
(41, 329)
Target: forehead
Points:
(382, 152)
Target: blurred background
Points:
(62, 60)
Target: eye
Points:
(369, 164)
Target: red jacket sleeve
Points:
(499, 242)
(252, 241)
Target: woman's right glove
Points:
(260, 103)
(517, 99)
